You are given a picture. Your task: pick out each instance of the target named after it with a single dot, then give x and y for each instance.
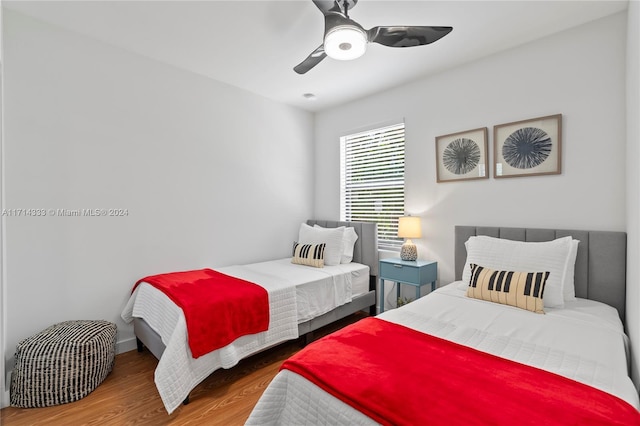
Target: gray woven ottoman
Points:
(62, 363)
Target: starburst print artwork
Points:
(461, 156)
(526, 148)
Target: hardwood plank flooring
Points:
(128, 396)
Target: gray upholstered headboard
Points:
(365, 250)
(600, 266)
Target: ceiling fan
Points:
(345, 39)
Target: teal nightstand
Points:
(412, 272)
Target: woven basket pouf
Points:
(62, 363)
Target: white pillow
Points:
(349, 239)
(569, 287)
(498, 253)
(331, 237)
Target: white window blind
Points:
(372, 180)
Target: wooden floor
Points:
(128, 396)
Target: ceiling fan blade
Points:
(334, 6)
(406, 36)
(327, 6)
(311, 61)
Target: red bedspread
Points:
(399, 376)
(218, 308)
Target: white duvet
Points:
(583, 341)
(296, 293)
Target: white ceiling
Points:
(254, 45)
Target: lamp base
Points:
(409, 251)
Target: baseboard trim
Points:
(6, 401)
(126, 345)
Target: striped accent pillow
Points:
(520, 289)
(308, 254)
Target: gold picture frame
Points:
(530, 147)
(462, 156)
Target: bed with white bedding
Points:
(301, 299)
(582, 340)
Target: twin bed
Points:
(579, 337)
(301, 300)
(583, 340)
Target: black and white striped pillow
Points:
(308, 254)
(523, 290)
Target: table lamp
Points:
(409, 227)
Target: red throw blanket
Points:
(398, 376)
(218, 308)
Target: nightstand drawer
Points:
(397, 272)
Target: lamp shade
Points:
(409, 227)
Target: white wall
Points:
(210, 175)
(633, 185)
(579, 73)
(4, 394)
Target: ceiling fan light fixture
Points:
(345, 42)
(345, 39)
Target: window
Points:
(372, 180)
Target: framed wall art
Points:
(462, 156)
(528, 148)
